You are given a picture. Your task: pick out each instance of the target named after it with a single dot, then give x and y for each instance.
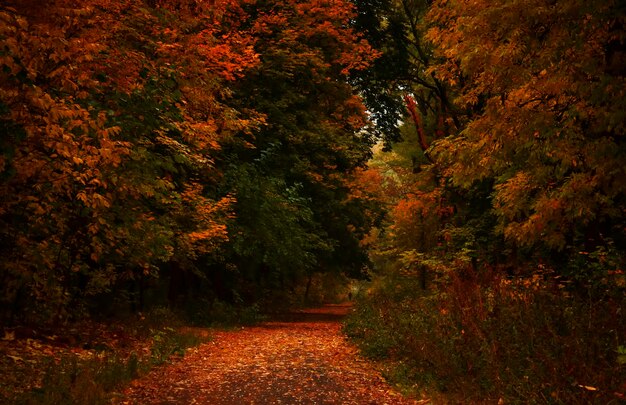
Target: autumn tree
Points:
(399, 82)
(514, 218)
(109, 124)
(412, 107)
(517, 114)
(55, 150)
(544, 82)
(294, 211)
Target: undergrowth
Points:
(222, 314)
(93, 377)
(482, 338)
(92, 381)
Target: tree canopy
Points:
(156, 140)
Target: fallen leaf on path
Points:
(304, 359)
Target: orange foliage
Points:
(367, 183)
(547, 101)
(73, 200)
(66, 145)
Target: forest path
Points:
(303, 358)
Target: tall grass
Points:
(75, 381)
(476, 338)
(96, 378)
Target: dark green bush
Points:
(168, 342)
(219, 313)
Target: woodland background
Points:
(235, 156)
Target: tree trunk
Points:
(308, 287)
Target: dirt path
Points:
(302, 359)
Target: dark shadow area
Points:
(326, 314)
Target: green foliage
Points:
(621, 355)
(73, 381)
(367, 327)
(291, 176)
(167, 342)
(396, 28)
(217, 313)
(275, 226)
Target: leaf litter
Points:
(300, 359)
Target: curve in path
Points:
(300, 359)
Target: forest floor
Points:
(299, 358)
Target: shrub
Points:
(221, 313)
(480, 337)
(92, 377)
(167, 342)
